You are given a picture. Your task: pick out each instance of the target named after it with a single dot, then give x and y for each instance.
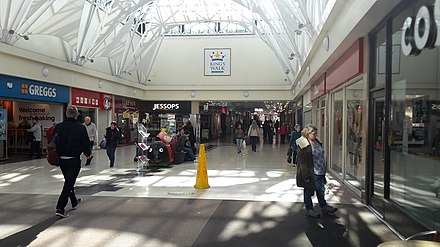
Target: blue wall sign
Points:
(19, 88)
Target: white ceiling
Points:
(106, 31)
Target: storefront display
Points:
(95, 105)
(126, 114)
(25, 99)
(406, 124)
(165, 115)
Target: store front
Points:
(97, 106)
(127, 116)
(405, 118)
(168, 115)
(338, 99)
(21, 100)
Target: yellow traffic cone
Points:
(202, 173)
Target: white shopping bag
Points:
(244, 143)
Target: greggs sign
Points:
(422, 31)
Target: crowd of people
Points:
(75, 138)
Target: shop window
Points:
(336, 141)
(415, 129)
(354, 171)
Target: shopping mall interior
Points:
(365, 74)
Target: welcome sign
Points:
(218, 61)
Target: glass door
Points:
(378, 152)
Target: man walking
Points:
(71, 141)
(91, 131)
(36, 139)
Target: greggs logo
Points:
(422, 31)
(36, 90)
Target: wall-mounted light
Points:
(134, 91)
(45, 71)
(193, 94)
(326, 43)
(12, 32)
(100, 84)
(308, 70)
(246, 94)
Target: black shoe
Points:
(61, 214)
(75, 205)
(88, 161)
(312, 213)
(329, 210)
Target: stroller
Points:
(142, 143)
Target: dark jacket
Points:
(239, 133)
(112, 137)
(305, 175)
(182, 143)
(72, 139)
(295, 135)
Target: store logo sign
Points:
(165, 107)
(9, 85)
(435, 107)
(36, 90)
(107, 103)
(422, 31)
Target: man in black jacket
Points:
(72, 140)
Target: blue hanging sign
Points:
(19, 88)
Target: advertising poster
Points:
(218, 62)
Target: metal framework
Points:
(126, 34)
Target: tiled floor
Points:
(263, 176)
(252, 201)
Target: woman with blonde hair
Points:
(311, 171)
(254, 134)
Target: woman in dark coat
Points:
(311, 171)
(112, 137)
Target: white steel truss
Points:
(127, 34)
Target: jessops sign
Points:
(183, 107)
(14, 87)
(422, 31)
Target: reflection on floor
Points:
(252, 196)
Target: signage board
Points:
(19, 88)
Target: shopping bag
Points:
(103, 144)
(244, 143)
(52, 155)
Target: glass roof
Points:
(129, 32)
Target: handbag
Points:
(52, 155)
(289, 159)
(103, 144)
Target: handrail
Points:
(421, 234)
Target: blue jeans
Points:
(239, 144)
(190, 153)
(111, 155)
(254, 140)
(320, 191)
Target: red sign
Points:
(123, 104)
(348, 66)
(318, 88)
(86, 98)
